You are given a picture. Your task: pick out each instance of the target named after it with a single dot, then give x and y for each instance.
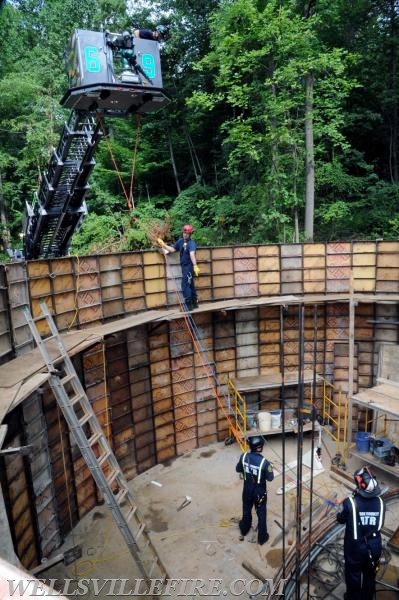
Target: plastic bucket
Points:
(362, 439)
(264, 421)
(276, 419)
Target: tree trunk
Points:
(5, 232)
(172, 160)
(393, 155)
(309, 148)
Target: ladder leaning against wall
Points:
(96, 451)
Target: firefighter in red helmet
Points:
(188, 261)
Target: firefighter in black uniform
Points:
(363, 514)
(256, 471)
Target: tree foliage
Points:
(228, 153)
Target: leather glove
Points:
(196, 270)
(161, 243)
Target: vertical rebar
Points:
(299, 451)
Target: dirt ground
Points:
(200, 541)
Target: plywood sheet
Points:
(271, 379)
(382, 397)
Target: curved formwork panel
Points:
(144, 375)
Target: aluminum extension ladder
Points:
(96, 451)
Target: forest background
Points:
(283, 123)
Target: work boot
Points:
(265, 540)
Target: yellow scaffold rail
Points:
(239, 408)
(335, 417)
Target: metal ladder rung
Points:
(74, 399)
(67, 378)
(154, 563)
(94, 438)
(114, 474)
(103, 457)
(131, 513)
(49, 338)
(84, 419)
(139, 531)
(121, 495)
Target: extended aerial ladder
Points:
(110, 74)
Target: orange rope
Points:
(232, 426)
(134, 158)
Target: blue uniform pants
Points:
(359, 573)
(251, 495)
(187, 284)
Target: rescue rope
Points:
(211, 375)
(129, 196)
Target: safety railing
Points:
(335, 417)
(238, 406)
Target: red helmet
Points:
(188, 229)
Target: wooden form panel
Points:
(338, 263)
(206, 421)
(6, 332)
(245, 267)
(204, 283)
(387, 276)
(143, 440)
(204, 363)
(364, 262)
(224, 346)
(71, 289)
(341, 368)
(247, 343)
(364, 335)
(111, 286)
(222, 273)
(18, 296)
(385, 330)
(44, 500)
(154, 279)
(337, 324)
(269, 338)
(291, 268)
(118, 386)
(132, 268)
(269, 270)
(314, 268)
(161, 384)
(183, 386)
(68, 512)
(18, 495)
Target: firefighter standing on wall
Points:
(363, 514)
(188, 261)
(256, 471)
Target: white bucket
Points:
(276, 419)
(264, 421)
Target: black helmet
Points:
(366, 484)
(256, 442)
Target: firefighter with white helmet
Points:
(363, 513)
(188, 262)
(256, 471)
